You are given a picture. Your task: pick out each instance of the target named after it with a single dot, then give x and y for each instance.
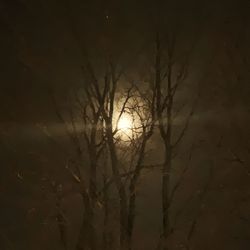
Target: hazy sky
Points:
(40, 51)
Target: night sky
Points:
(43, 45)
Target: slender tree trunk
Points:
(131, 217)
(82, 242)
(132, 194)
(166, 172)
(165, 199)
(107, 243)
(121, 189)
(61, 221)
(164, 104)
(87, 236)
(92, 202)
(105, 239)
(131, 211)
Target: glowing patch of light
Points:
(125, 123)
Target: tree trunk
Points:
(106, 233)
(165, 199)
(131, 212)
(61, 221)
(132, 194)
(166, 171)
(87, 234)
(120, 188)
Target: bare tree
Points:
(139, 106)
(83, 127)
(169, 74)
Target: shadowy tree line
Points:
(109, 161)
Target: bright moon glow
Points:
(125, 124)
(125, 127)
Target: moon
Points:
(125, 123)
